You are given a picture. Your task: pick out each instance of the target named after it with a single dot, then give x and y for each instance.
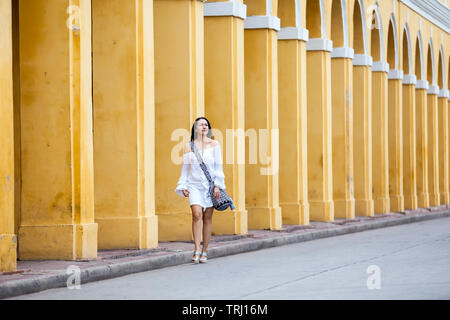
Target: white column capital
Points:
(231, 8)
(262, 22)
(293, 33)
(319, 44)
(443, 93)
(380, 66)
(422, 84)
(343, 52)
(395, 74)
(433, 89)
(362, 60)
(410, 79)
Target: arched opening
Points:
(337, 29)
(406, 52)
(430, 66)
(358, 29)
(441, 69)
(314, 19)
(418, 68)
(287, 13)
(391, 49)
(376, 38)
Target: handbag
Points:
(224, 200)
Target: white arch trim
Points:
(408, 39)
(379, 24)
(321, 44)
(394, 29)
(433, 75)
(363, 22)
(422, 68)
(441, 53)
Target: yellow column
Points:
(362, 115)
(320, 178)
(443, 146)
(8, 239)
(395, 133)
(423, 199)
(57, 220)
(224, 102)
(124, 124)
(342, 126)
(409, 142)
(261, 117)
(293, 132)
(179, 100)
(380, 160)
(433, 145)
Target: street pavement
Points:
(409, 261)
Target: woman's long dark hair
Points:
(209, 134)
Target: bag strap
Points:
(202, 164)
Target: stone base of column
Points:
(8, 252)
(295, 213)
(127, 233)
(435, 200)
(423, 200)
(344, 209)
(411, 202)
(364, 208)
(264, 218)
(58, 242)
(321, 210)
(397, 203)
(445, 198)
(382, 205)
(230, 222)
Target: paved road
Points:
(412, 262)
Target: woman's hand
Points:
(186, 193)
(216, 192)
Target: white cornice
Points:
(362, 60)
(422, 84)
(433, 89)
(319, 44)
(293, 33)
(380, 66)
(262, 22)
(343, 52)
(409, 79)
(433, 10)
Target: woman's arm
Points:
(183, 180)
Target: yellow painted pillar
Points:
(293, 132)
(443, 146)
(362, 132)
(395, 140)
(380, 160)
(225, 104)
(123, 100)
(261, 117)
(423, 198)
(320, 178)
(342, 128)
(57, 220)
(179, 100)
(8, 238)
(433, 145)
(409, 142)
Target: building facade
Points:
(325, 109)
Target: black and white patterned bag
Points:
(225, 200)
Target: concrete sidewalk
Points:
(35, 276)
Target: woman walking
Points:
(194, 184)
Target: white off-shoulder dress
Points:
(194, 180)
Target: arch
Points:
(419, 67)
(392, 51)
(376, 37)
(430, 64)
(316, 19)
(287, 12)
(359, 28)
(406, 49)
(339, 22)
(441, 69)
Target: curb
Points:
(27, 286)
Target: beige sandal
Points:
(196, 257)
(204, 257)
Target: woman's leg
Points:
(196, 225)
(207, 227)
